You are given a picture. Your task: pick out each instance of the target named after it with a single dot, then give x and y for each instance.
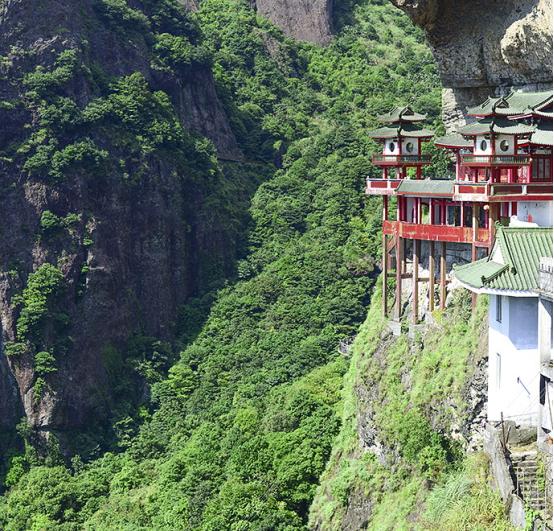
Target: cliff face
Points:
(408, 399)
(483, 49)
(133, 244)
(304, 20)
(480, 49)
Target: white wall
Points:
(514, 361)
(539, 212)
(478, 151)
(405, 142)
(498, 143)
(546, 355)
(524, 322)
(387, 147)
(545, 330)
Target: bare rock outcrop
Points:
(304, 20)
(485, 48)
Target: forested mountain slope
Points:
(237, 433)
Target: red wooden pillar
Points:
(415, 281)
(385, 207)
(443, 276)
(431, 276)
(475, 228)
(399, 259)
(418, 168)
(385, 273)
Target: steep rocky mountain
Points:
(129, 251)
(485, 48)
(115, 210)
(252, 399)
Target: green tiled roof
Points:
(513, 104)
(529, 100)
(549, 114)
(454, 141)
(521, 250)
(542, 135)
(487, 107)
(426, 186)
(496, 125)
(478, 273)
(407, 129)
(402, 114)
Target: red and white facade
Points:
(503, 174)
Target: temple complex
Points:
(503, 177)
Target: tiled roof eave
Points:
(497, 291)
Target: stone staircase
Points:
(525, 468)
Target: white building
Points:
(518, 350)
(546, 352)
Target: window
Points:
(425, 213)
(499, 308)
(504, 145)
(543, 384)
(468, 215)
(484, 145)
(498, 370)
(409, 147)
(453, 215)
(392, 146)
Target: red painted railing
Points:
(381, 186)
(521, 189)
(400, 160)
(464, 191)
(440, 233)
(495, 160)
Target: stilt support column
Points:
(415, 281)
(443, 276)
(384, 274)
(431, 276)
(399, 261)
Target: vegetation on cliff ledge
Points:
(407, 417)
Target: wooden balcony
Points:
(470, 191)
(382, 186)
(401, 160)
(521, 191)
(487, 191)
(438, 233)
(487, 161)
